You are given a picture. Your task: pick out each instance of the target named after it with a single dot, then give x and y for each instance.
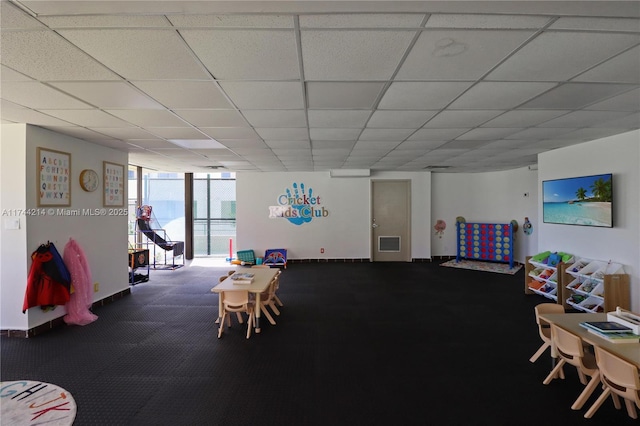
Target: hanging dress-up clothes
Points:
(78, 312)
(49, 281)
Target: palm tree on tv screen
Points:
(601, 189)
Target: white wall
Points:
(103, 237)
(485, 197)
(344, 234)
(13, 243)
(618, 155)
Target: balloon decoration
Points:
(440, 226)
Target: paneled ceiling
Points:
(456, 86)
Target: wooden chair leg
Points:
(278, 300)
(250, 324)
(591, 411)
(274, 308)
(540, 351)
(631, 408)
(554, 372)
(239, 316)
(583, 378)
(587, 391)
(616, 401)
(267, 314)
(221, 325)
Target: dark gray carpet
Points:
(356, 344)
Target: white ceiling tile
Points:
(242, 143)
(463, 144)
(283, 144)
(362, 20)
(125, 133)
(333, 144)
(334, 134)
(424, 145)
(108, 94)
(276, 118)
(7, 74)
(185, 94)
(487, 134)
(526, 118)
(148, 117)
(631, 121)
(179, 133)
(139, 54)
(231, 21)
(486, 21)
(357, 95)
(385, 134)
(421, 95)
(25, 115)
(624, 68)
(629, 101)
(88, 117)
(596, 24)
(78, 132)
(105, 21)
(151, 143)
(353, 55)
(264, 95)
(459, 119)
(539, 133)
(556, 56)
(458, 54)
(375, 145)
(584, 118)
(575, 95)
(38, 95)
(499, 95)
(284, 133)
(248, 54)
(220, 133)
(426, 134)
(338, 118)
(212, 117)
(588, 134)
(196, 144)
(12, 17)
(399, 119)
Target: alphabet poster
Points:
(54, 177)
(113, 178)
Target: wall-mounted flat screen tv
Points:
(585, 200)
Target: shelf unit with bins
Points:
(544, 280)
(596, 286)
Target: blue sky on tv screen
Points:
(563, 190)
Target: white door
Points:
(391, 220)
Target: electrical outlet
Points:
(322, 250)
(96, 287)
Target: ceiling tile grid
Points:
(313, 86)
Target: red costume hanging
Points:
(49, 280)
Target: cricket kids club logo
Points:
(298, 206)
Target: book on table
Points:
(606, 326)
(242, 278)
(619, 337)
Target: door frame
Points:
(372, 243)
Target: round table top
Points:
(28, 402)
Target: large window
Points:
(214, 209)
(214, 214)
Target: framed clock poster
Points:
(113, 179)
(54, 177)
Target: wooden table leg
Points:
(257, 313)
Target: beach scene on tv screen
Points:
(578, 201)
